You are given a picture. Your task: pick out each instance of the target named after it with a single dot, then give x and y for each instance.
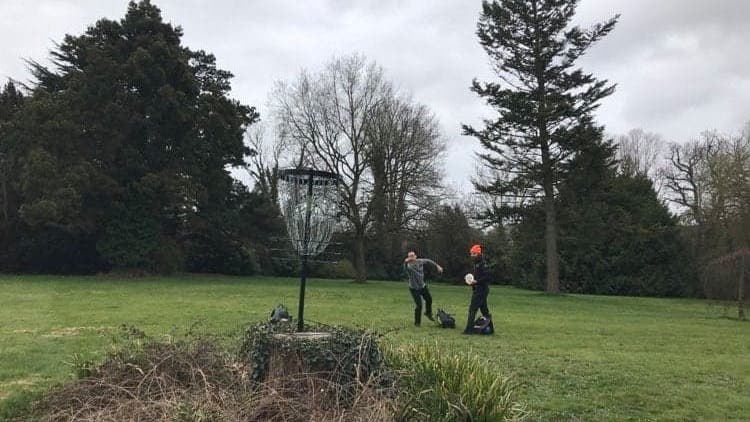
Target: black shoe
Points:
(416, 324)
(430, 317)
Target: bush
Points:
(168, 257)
(349, 355)
(143, 379)
(447, 387)
(196, 379)
(213, 252)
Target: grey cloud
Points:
(680, 65)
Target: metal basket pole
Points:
(305, 253)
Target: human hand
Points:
(469, 279)
(440, 269)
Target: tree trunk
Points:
(359, 258)
(550, 239)
(550, 232)
(5, 200)
(4, 175)
(741, 290)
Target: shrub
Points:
(350, 355)
(196, 379)
(438, 386)
(184, 380)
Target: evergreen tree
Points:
(544, 102)
(126, 142)
(616, 237)
(11, 101)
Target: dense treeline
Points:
(118, 157)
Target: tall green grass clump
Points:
(445, 387)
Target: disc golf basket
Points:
(309, 203)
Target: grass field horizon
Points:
(577, 357)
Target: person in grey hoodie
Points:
(415, 269)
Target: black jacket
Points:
(481, 275)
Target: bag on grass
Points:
(280, 314)
(483, 326)
(445, 320)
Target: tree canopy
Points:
(123, 148)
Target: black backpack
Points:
(445, 320)
(483, 325)
(280, 314)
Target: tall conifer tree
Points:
(544, 101)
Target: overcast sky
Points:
(681, 66)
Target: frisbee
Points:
(469, 278)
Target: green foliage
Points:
(343, 269)
(448, 238)
(125, 143)
(131, 236)
(544, 104)
(616, 237)
(211, 252)
(497, 251)
(348, 354)
(441, 386)
(81, 366)
(53, 249)
(548, 115)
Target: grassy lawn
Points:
(579, 357)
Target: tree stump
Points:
(288, 359)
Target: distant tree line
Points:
(121, 156)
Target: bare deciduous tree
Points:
(686, 178)
(405, 149)
(709, 179)
(641, 152)
(264, 161)
(346, 119)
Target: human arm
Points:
(429, 261)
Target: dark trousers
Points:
(478, 302)
(417, 295)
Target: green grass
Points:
(587, 358)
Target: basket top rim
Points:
(295, 173)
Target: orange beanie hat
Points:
(476, 249)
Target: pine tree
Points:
(545, 103)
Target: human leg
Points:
(428, 303)
(473, 307)
(417, 296)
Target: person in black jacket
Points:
(481, 288)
